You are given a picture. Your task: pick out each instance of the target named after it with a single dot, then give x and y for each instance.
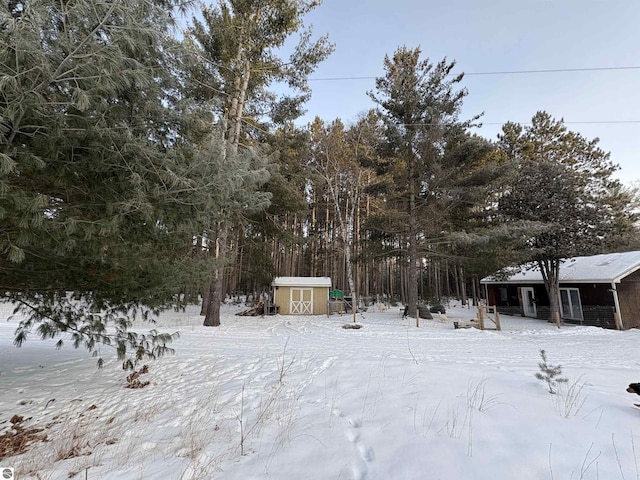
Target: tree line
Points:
(141, 169)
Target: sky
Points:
(487, 36)
(308, 399)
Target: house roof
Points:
(301, 282)
(607, 268)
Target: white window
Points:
(570, 303)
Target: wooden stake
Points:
(480, 318)
(495, 310)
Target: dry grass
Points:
(17, 439)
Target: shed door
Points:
(301, 301)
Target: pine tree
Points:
(237, 43)
(550, 374)
(563, 187)
(419, 105)
(101, 192)
(472, 170)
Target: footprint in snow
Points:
(353, 435)
(355, 423)
(359, 470)
(364, 455)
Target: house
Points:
(599, 290)
(301, 295)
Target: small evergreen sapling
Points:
(550, 373)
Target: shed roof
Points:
(301, 282)
(607, 268)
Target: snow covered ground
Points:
(288, 397)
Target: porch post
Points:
(616, 302)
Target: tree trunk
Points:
(550, 270)
(206, 295)
(412, 261)
(314, 239)
(463, 285)
(231, 139)
(212, 315)
(242, 95)
(474, 291)
(456, 282)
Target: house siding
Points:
(594, 293)
(321, 301)
(597, 316)
(543, 312)
(507, 298)
(510, 310)
(629, 296)
(598, 306)
(281, 299)
(596, 300)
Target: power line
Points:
(480, 124)
(576, 122)
(499, 72)
(554, 70)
